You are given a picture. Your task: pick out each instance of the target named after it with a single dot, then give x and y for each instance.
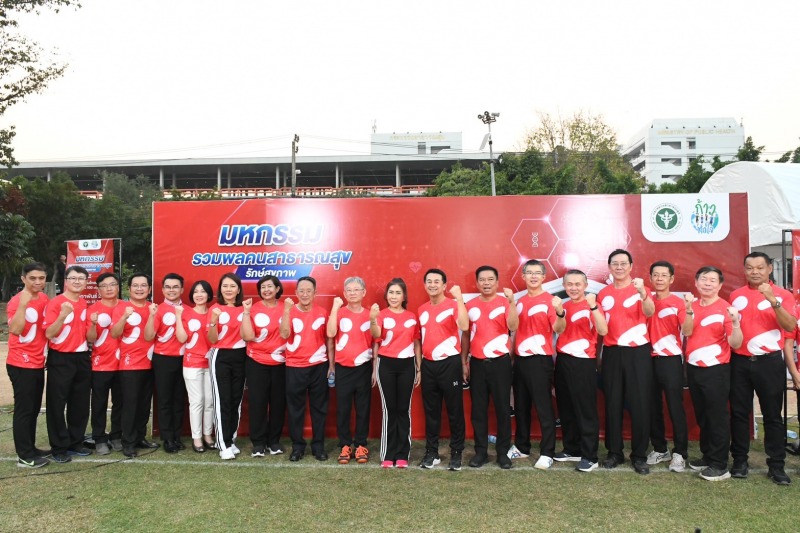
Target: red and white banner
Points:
(796, 265)
(96, 256)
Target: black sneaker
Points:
(129, 452)
(740, 470)
(116, 445)
(640, 467)
(479, 460)
(61, 458)
(275, 449)
(504, 462)
(145, 444)
(698, 465)
(612, 462)
(430, 460)
(715, 474)
(47, 452)
(80, 450)
(778, 476)
(38, 462)
(455, 461)
(258, 451)
(564, 456)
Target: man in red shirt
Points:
(69, 368)
(533, 365)
(672, 319)
(25, 362)
(758, 366)
(491, 319)
(168, 364)
(135, 367)
(349, 328)
(443, 367)
(303, 325)
(626, 365)
(105, 364)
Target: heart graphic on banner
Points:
(415, 266)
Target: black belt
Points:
(492, 359)
(763, 356)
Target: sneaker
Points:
(455, 462)
(698, 465)
(678, 464)
(227, 454)
(430, 460)
(715, 474)
(80, 450)
(544, 462)
(640, 467)
(586, 466)
(129, 452)
(564, 456)
(514, 453)
(258, 451)
(61, 458)
(102, 448)
(740, 470)
(478, 460)
(36, 462)
(401, 463)
(776, 474)
(236, 451)
(387, 464)
(504, 462)
(654, 457)
(116, 445)
(362, 455)
(38, 452)
(347, 453)
(275, 449)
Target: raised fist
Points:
(247, 304)
(288, 304)
(734, 314)
(66, 309)
(373, 311)
(128, 312)
(688, 300)
(337, 302)
(93, 318)
(455, 290)
(509, 294)
(591, 299)
(153, 308)
(215, 313)
(766, 290)
(25, 296)
(178, 310)
(638, 283)
(557, 304)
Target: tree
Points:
(23, 68)
(790, 157)
(749, 152)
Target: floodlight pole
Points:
(295, 148)
(487, 118)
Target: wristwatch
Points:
(777, 304)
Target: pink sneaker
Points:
(401, 463)
(387, 464)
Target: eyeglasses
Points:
(74, 279)
(108, 285)
(144, 286)
(615, 265)
(534, 273)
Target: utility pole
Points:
(487, 118)
(294, 172)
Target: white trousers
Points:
(201, 402)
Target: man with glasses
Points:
(69, 369)
(168, 363)
(540, 316)
(105, 364)
(626, 364)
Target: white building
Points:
(663, 149)
(422, 143)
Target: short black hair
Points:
(172, 275)
(485, 268)
(206, 287)
(534, 262)
(665, 264)
(78, 269)
(275, 281)
(105, 275)
(30, 267)
(756, 255)
(576, 272)
(140, 275)
(435, 271)
(308, 279)
(619, 251)
(706, 270)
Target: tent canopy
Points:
(773, 196)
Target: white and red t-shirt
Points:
(664, 327)
(27, 350)
(708, 343)
(353, 342)
(797, 331)
(488, 334)
(135, 353)
(196, 348)
(105, 349)
(164, 325)
(536, 318)
(308, 338)
(72, 337)
(760, 330)
(627, 323)
(229, 327)
(268, 348)
(579, 338)
(441, 337)
(399, 331)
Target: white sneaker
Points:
(514, 453)
(654, 457)
(227, 454)
(678, 463)
(544, 462)
(236, 451)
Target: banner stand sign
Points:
(97, 257)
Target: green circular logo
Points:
(666, 218)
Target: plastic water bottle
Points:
(493, 439)
(331, 380)
(791, 434)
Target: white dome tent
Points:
(773, 199)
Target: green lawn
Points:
(188, 491)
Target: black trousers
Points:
(266, 388)
(28, 385)
(441, 382)
(311, 381)
(137, 395)
(396, 384)
(227, 386)
(104, 383)
(668, 383)
(491, 378)
(170, 395)
(766, 376)
(628, 380)
(576, 394)
(353, 387)
(533, 387)
(710, 388)
(69, 385)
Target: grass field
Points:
(188, 491)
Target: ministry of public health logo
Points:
(666, 218)
(705, 218)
